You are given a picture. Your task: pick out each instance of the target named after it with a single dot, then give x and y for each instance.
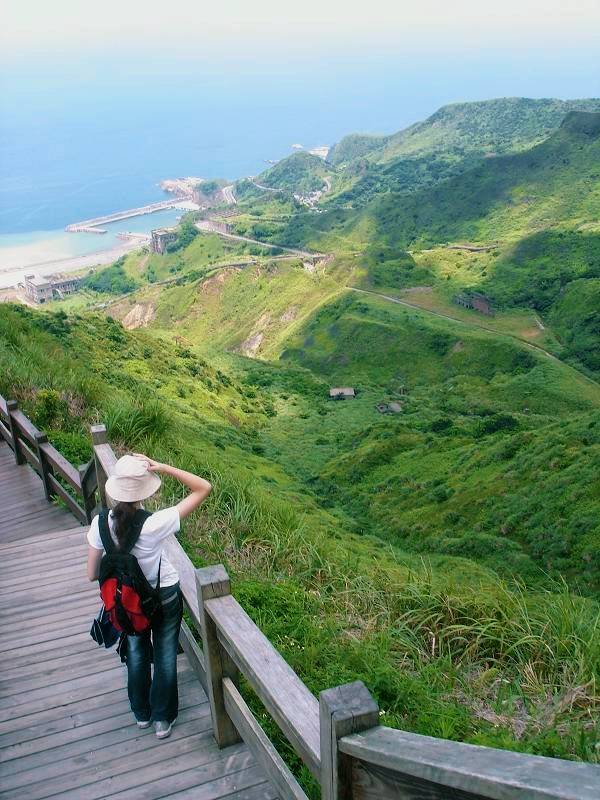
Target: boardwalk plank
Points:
(90, 754)
(116, 703)
(204, 785)
(260, 791)
(69, 608)
(24, 756)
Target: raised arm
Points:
(199, 487)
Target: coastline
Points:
(12, 276)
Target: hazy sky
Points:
(378, 64)
(243, 26)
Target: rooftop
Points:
(37, 280)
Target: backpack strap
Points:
(104, 530)
(134, 532)
(139, 518)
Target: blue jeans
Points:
(155, 696)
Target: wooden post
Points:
(343, 710)
(99, 437)
(87, 475)
(41, 438)
(214, 582)
(12, 405)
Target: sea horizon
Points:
(74, 147)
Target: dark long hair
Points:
(123, 514)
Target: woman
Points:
(134, 479)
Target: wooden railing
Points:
(75, 487)
(338, 736)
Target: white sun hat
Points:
(131, 480)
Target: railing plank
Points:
(193, 652)
(6, 434)
(59, 490)
(259, 743)
(285, 697)
(481, 771)
(25, 426)
(3, 407)
(187, 575)
(29, 455)
(11, 408)
(106, 456)
(60, 464)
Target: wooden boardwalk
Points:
(66, 730)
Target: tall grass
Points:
(136, 423)
(551, 639)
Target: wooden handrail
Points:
(30, 445)
(388, 762)
(286, 698)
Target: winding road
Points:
(513, 336)
(210, 229)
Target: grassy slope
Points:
(537, 209)
(501, 125)
(439, 476)
(354, 146)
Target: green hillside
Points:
(492, 126)
(454, 139)
(300, 173)
(534, 215)
(354, 146)
(452, 472)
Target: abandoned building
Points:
(214, 226)
(341, 393)
(389, 408)
(476, 301)
(51, 287)
(161, 237)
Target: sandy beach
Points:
(11, 276)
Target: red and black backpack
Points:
(132, 604)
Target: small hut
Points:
(389, 408)
(476, 301)
(342, 393)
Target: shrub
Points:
(495, 423)
(50, 408)
(112, 280)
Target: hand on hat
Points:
(153, 466)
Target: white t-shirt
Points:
(148, 548)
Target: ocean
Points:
(87, 139)
(76, 147)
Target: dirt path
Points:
(303, 253)
(476, 325)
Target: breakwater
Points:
(90, 225)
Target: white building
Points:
(52, 287)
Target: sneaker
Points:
(143, 723)
(162, 729)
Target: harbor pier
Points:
(91, 225)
